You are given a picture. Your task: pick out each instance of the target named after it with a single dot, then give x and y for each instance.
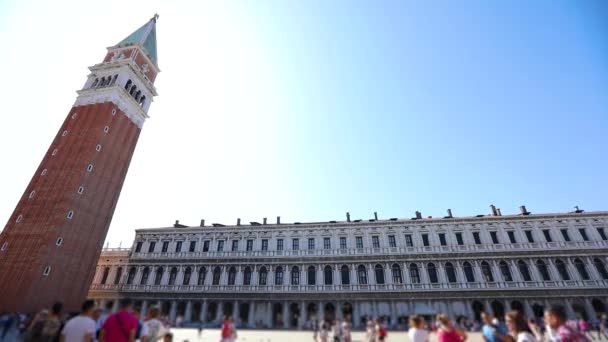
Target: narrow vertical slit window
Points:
(32, 194)
(19, 218)
(59, 241)
(80, 190)
(47, 271)
(106, 129)
(54, 152)
(70, 214)
(43, 173)
(98, 148)
(90, 168)
(64, 133)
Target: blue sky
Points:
(309, 109)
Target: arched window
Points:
(133, 90)
(311, 275)
(295, 275)
(379, 270)
(102, 83)
(561, 269)
(144, 276)
(278, 276)
(137, 95)
(217, 273)
(118, 275)
(247, 276)
(414, 274)
(263, 275)
(523, 269)
(202, 274)
(159, 276)
(486, 270)
(432, 271)
(131, 276)
(328, 275)
(95, 83)
(450, 272)
(582, 270)
(187, 275)
(128, 85)
(104, 277)
(362, 275)
(172, 276)
(345, 275)
(396, 270)
(142, 101)
(113, 80)
(468, 272)
(601, 268)
(542, 269)
(505, 270)
(232, 276)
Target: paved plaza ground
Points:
(191, 335)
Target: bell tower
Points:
(50, 245)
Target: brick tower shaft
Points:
(50, 245)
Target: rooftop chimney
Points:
(375, 215)
(278, 219)
(347, 216)
(450, 213)
(238, 221)
(522, 210)
(176, 223)
(493, 210)
(202, 222)
(265, 220)
(498, 211)
(418, 215)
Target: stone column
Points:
(188, 313)
(319, 311)
(339, 313)
(203, 313)
(270, 315)
(496, 272)
(569, 310)
(337, 276)
(179, 280)
(285, 314)
(144, 308)
(371, 274)
(590, 310)
(355, 315)
(236, 311)
(374, 309)
(353, 275)
(172, 312)
(515, 271)
(572, 270)
(487, 306)
(394, 312)
(115, 305)
(219, 317)
(441, 273)
(255, 277)
(528, 309)
(251, 316)
(302, 319)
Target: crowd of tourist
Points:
(94, 324)
(89, 325)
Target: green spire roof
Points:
(146, 37)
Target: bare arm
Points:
(132, 335)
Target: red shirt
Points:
(118, 326)
(448, 336)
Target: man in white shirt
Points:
(82, 327)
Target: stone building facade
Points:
(284, 275)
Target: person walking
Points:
(156, 329)
(80, 328)
(417, 331)
(120, 326)
(370, 331)
(52, 325)
(518, 327)
(447, 332)
(491, 331)
(556, 318)
(346, 330)
(228, 330)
